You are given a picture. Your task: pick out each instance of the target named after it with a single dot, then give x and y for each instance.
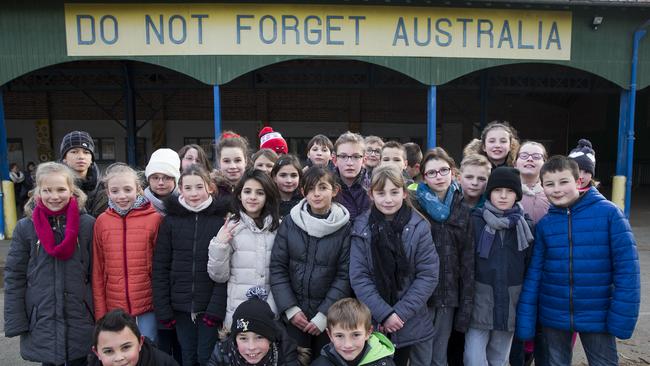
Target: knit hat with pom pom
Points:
(254, 315)
(270, 139)
(585, 156)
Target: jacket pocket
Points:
(483, 309)
(33, 314)
(91, 315)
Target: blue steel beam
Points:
(431, 117)
(217, 116)
(621, 154)
(4, 161)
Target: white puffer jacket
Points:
(243, 263)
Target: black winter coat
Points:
(309, 272)
(454, 241)
(180, 276)
(48, 302)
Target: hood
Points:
(589, 198)
(218, 207)
(338, 218)
(379, 347)
(92, 181)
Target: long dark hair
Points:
(272, 203)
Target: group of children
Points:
(258, 261)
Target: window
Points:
(206, 143)
(104, 149)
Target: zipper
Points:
(124, 261)
(196, 223)
(568, 212)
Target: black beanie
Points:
(585, 156)
(254, 315)
(76, 139)
(504, 177)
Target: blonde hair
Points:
(49, 168)
(512, 134)
(350, 138)
(476, 160)
(117, 169)
(373, 140)
(534, 143)
(349, 313)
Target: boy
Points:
(352, 340)
(349, 159)
(503, 238)
(586, 255)
(117, 341)
(319, 152)
(394, 153)
(413, 159)
(474, 172)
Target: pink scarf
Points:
(64, 250)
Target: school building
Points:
(139, 75)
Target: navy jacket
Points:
(355, 197)
(584, 273)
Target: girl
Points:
(162, 173)
(256, 338)
(264, 159)
(194, 154)
(183, 293)
(123, 242)
(530, 158)
(585, 156)
(394, 265)
(441, 199)
(309, 260)
(231, 151)
(499, 143)
(287, 174)
(241, 251)
(48, 294)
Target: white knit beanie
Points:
(164, 161)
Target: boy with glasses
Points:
(349, 159)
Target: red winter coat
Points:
(122, 260)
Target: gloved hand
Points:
(169, 324)
(210, 320)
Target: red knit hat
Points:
(270, 139)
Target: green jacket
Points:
(379, 352)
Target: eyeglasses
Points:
(163, 178)
(349, 157)
(373, 152)
(434, 173)
(535, 156)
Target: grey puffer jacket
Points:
(48, 302)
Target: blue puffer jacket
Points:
(584, 274)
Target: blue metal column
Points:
(431, 117)
(621, 154)
(4, 161)
(217, 116)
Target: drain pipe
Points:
(638, 35)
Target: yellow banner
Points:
(286, 29)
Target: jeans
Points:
(487, 347)
(434, 351)
(148, 326)
(197, 340)
(600, 348)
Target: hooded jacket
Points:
(311, 271)
(149, 356)
(243, 262)
(417, 289)
(379, 351)
(48, 302)
(584, 273)
(123, 260)
(97, 199)
(180, 275)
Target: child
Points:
(440, 198)
(232, 153)
(394, 265)
(256, 338)
(585, 156)
(474, 172)
(118, 341)
(241, 251)
(353, 342)
(349, 159)
(498, 143)
(123, 242)
(183, 293)
(530, 158)
(394, 153)
(584, 273)
(194, 154)
(413, 159)
(287, 174)
(48, 298)
(373, 145)
(319, 152)
(162, 173)
(264, 159)
(309, 260)
(273, 141)
(77, 151)
(503, 238)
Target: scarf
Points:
(236, 359)
(157, 203)
(389, 259)
(497, 220)
(537, 188)
(338, 217)
(140, 201)
(45, 232)
(438, 211)
(205, 204)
